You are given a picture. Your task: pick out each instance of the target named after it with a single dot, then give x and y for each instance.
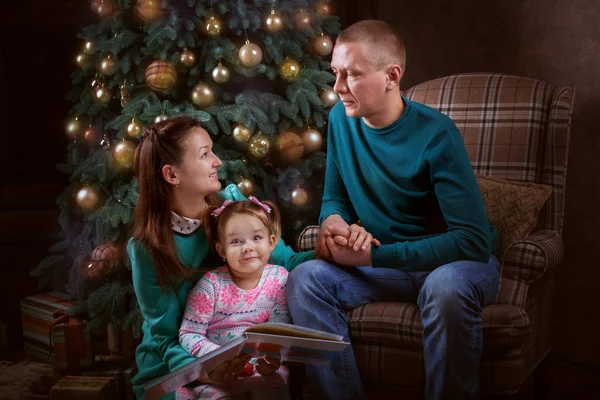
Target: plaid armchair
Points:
(517, 129)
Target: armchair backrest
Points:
(514, 128)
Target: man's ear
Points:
(220, 251)
(170, 174)
(394, 76)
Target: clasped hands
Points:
(348, 245)
(228, 371)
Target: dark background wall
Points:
(38, 43)
(553, 40)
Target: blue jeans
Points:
(450, 299)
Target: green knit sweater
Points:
(411, 185)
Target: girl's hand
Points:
(268, 365)
(228, 371)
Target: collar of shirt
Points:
(184, 225)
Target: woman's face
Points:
(198, 171)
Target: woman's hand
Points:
(227, 372)
(268, 365)
(355, 237)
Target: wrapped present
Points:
(36, 351)
(37, 315)
(83, 388)
(121, 341)
(71, 342)
(120, 373)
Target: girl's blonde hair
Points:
(214, 224)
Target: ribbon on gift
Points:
(75, 352)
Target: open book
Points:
(290, 342)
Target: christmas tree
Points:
(254, 73)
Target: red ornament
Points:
(104, 260)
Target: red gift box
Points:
(71, 343)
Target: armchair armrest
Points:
(308, 238)
(528, 259)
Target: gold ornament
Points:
(88, 47)
(87, 198)
(259, 146)
(203, 95)
(246, 186)
(299, 197)
(124, 94)
(160, 118)
(322, 45)
(312, 140)
(104, 260)
(91, 135)
(290, 147)
(329, 97)
(80, 59)
(107, 65)
(104, 8)
(94, 81)
(187, 58)
(161, 75)
(241, 133)
(290, 70)
(103, 94)
(323, 8)
(302, 19)
(73, 127)
(220, 74)
(105, 142)
(250, 55)
(123, 152)
(212, 26)
(274, 22)
(134, 129)
(149, 10)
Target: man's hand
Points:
(268, 365)
(333, 222)
(228, 371)
(347, 256)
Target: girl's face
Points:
(198, 172)
(246, 243)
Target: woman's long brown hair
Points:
(162, 144)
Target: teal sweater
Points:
(411, 185)
(160, 352)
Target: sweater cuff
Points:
(384, 256)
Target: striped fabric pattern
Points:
(514, 128)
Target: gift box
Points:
(120, 373)
(37, 315)
(83, 388)
(37, 352)
(71, 342)
(121, 341)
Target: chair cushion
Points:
(399, 325)
(512, 207)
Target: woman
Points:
(176, 171)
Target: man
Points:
(401, 169)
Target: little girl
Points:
(244, 292)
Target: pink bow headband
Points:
(253, 199)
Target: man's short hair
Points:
(383, 42)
